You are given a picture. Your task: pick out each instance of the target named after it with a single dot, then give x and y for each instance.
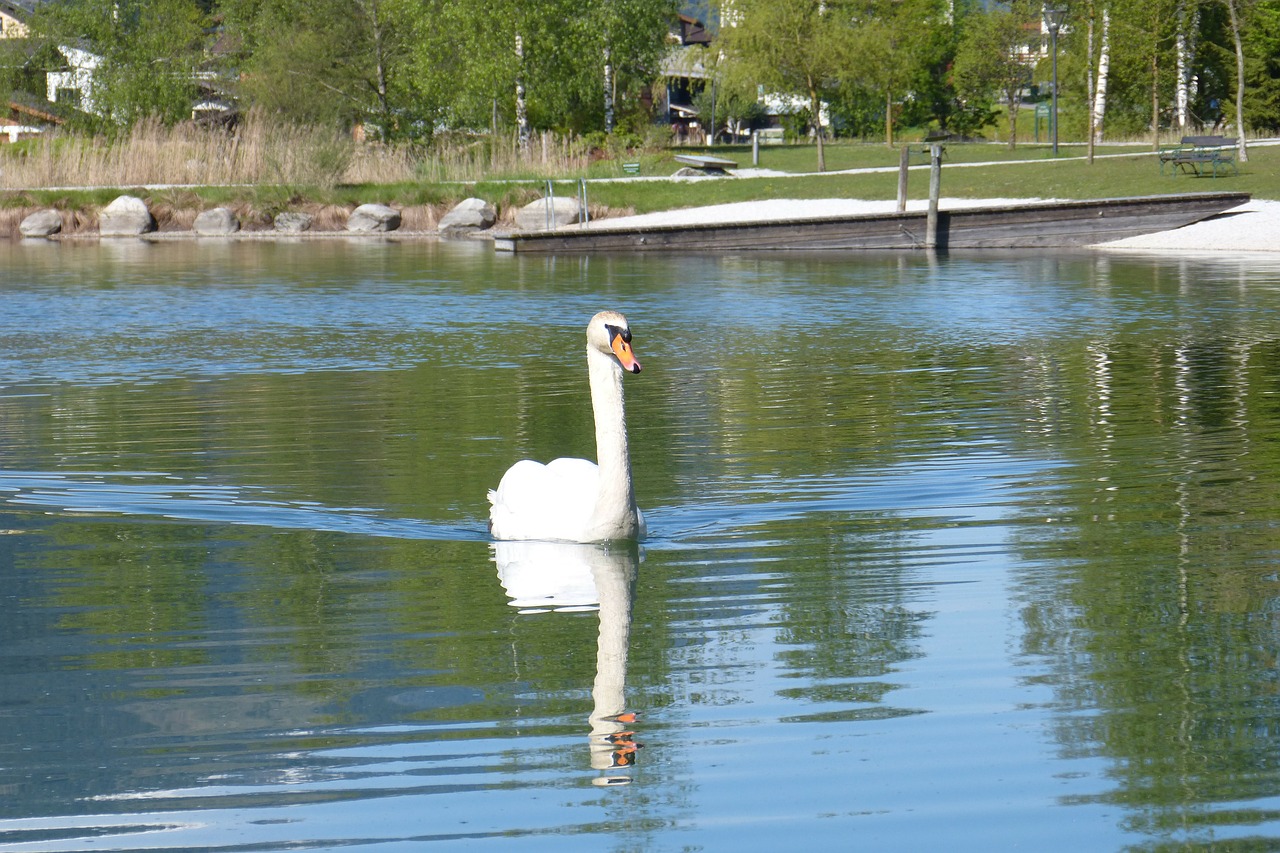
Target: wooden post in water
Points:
(935, 188)
(903, 156)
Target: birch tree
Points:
(1185, 45)
(1233, 12)
(332, 62)
(1104, 74)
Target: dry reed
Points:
(262, 151)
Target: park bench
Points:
(1200, 155)
(708, 164)
(924, 153)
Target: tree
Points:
(1262, 67)
(1233, 11)
(890, 48)
(633, 42)
(537, 65)
(988, 62)
(335, 62)
(793, 47)
(149, 51)
(1104, 75)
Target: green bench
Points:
(1200, 155)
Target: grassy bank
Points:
(263, 170)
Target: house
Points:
(13, 14)
(685, 76)
(73, 86)
(25, 117)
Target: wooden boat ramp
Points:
(1046, 224)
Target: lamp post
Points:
(1053, 22)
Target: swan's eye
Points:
(615, 332)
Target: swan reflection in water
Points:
(544, 577)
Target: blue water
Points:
(975, 552)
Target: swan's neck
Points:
(616, 504)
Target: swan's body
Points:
(574, 500)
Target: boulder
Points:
(468, 216)
(127, 216)
(373, 217)
(216, 222)
(293, 221)
(42, 223)
(533, 216)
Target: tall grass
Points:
(261, 150)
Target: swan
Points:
(574, 500)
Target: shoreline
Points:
(1253, 227)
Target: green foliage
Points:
(148, 51)
(1262, 68)
(856, 112)
(466, 56)
(332, 63)
(987, 65)
(895, 44)
(735, 108)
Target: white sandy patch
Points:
(1251, 227)
(789, 208)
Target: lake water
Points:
(971, 553)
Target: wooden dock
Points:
(1050, 224)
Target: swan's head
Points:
(609, 333)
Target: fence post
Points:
(935, 189)
(903, 157)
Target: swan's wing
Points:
(536, 501)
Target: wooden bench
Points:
(705, 162)
(1200, 155)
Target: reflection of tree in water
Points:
(542, 577)
(850, 619)
(1154, 591)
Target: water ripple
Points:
(163, 496)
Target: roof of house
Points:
(19, 9)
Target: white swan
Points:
(573, 500)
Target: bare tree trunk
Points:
(371, 10)
(1089, 86)
(816, 105)
(1242, 151)
(608, 91)
(1155, 101)
(1182, 57)
(1012, 96)
(1104, 69)
(888, 118)
(522, 109)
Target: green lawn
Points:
(1030, 171)
(1027, 172)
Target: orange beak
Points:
(622, 350)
